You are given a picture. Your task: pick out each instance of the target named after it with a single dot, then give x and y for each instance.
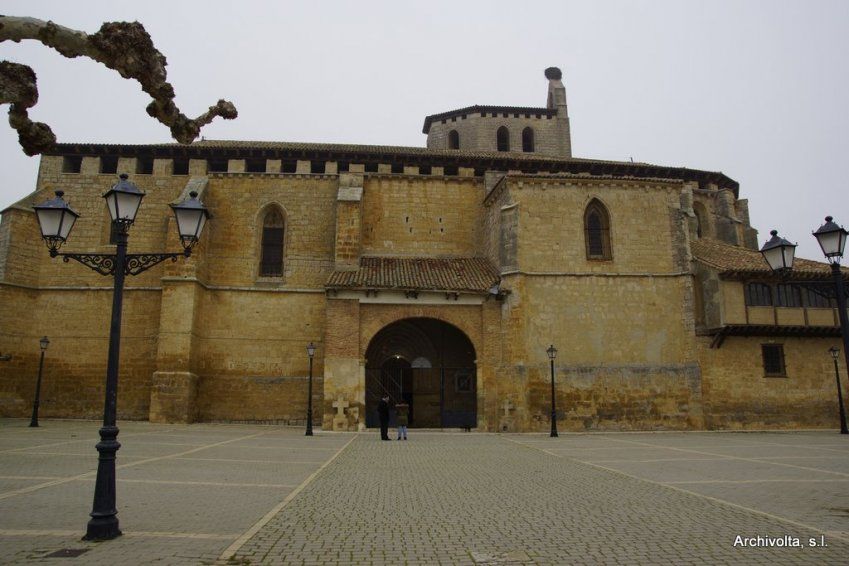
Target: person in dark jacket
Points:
(383, 413)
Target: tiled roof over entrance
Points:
(734, 261)
(471, 274)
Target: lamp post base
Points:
(102, 528)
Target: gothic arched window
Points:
(528, 139)
(453, 140)
(273, 228)
(597, 231)
(502, 139)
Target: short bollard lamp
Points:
(311, 354)
(56, 218)
(552, 353)
(43, 344)
(779, 254)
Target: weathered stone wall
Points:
(77, 324)
(422, 216)
(624, 328)
(209, 339)
(738, 396)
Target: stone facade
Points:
(656, 336)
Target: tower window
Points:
(597, 231)
(72, 164)
(255, 165)
(217, 165)
(453, 140)
(502, 139)
(271, 262)
(109, 164)
(528, 140)
(144, 166)
(180, 167)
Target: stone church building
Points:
(437, 274)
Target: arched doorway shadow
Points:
(430, 365)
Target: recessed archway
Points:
(430, 365)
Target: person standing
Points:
(402, 412)
(383, 413)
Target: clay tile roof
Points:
(734, 261)
(473, 274)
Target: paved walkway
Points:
(227, 494)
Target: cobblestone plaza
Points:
(239, 494)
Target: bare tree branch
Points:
(121, 46)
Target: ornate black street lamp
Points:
(310, 353)
(43, 344)
(552, 353)
(835, 353)
(779, 254)
(56, 218)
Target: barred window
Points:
(773, 356)
(788, 295)
(817, 300)
(758, 295)
(597, 231)
(271, 262)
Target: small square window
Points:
(217, 165)
(773, 356)
(109, 164)
(72, 164)
(144, 166)
(180, 167)
(255, 165)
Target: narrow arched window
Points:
(528, 139)
(453, 140)
(701, 220)
(273, 228)
(502, 139)
(597, 231)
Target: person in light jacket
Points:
(402, 417)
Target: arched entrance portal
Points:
(430, 365)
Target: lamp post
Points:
(835, 352)
(779, 254)
(310, 353)
(552, 353)
(56, 218)
(43, 344)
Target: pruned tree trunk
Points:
(122, 46)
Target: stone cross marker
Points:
(340, 405)
(507, 406)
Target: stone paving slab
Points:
(505, 499)
(203, 494)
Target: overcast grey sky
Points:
(755, 89)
